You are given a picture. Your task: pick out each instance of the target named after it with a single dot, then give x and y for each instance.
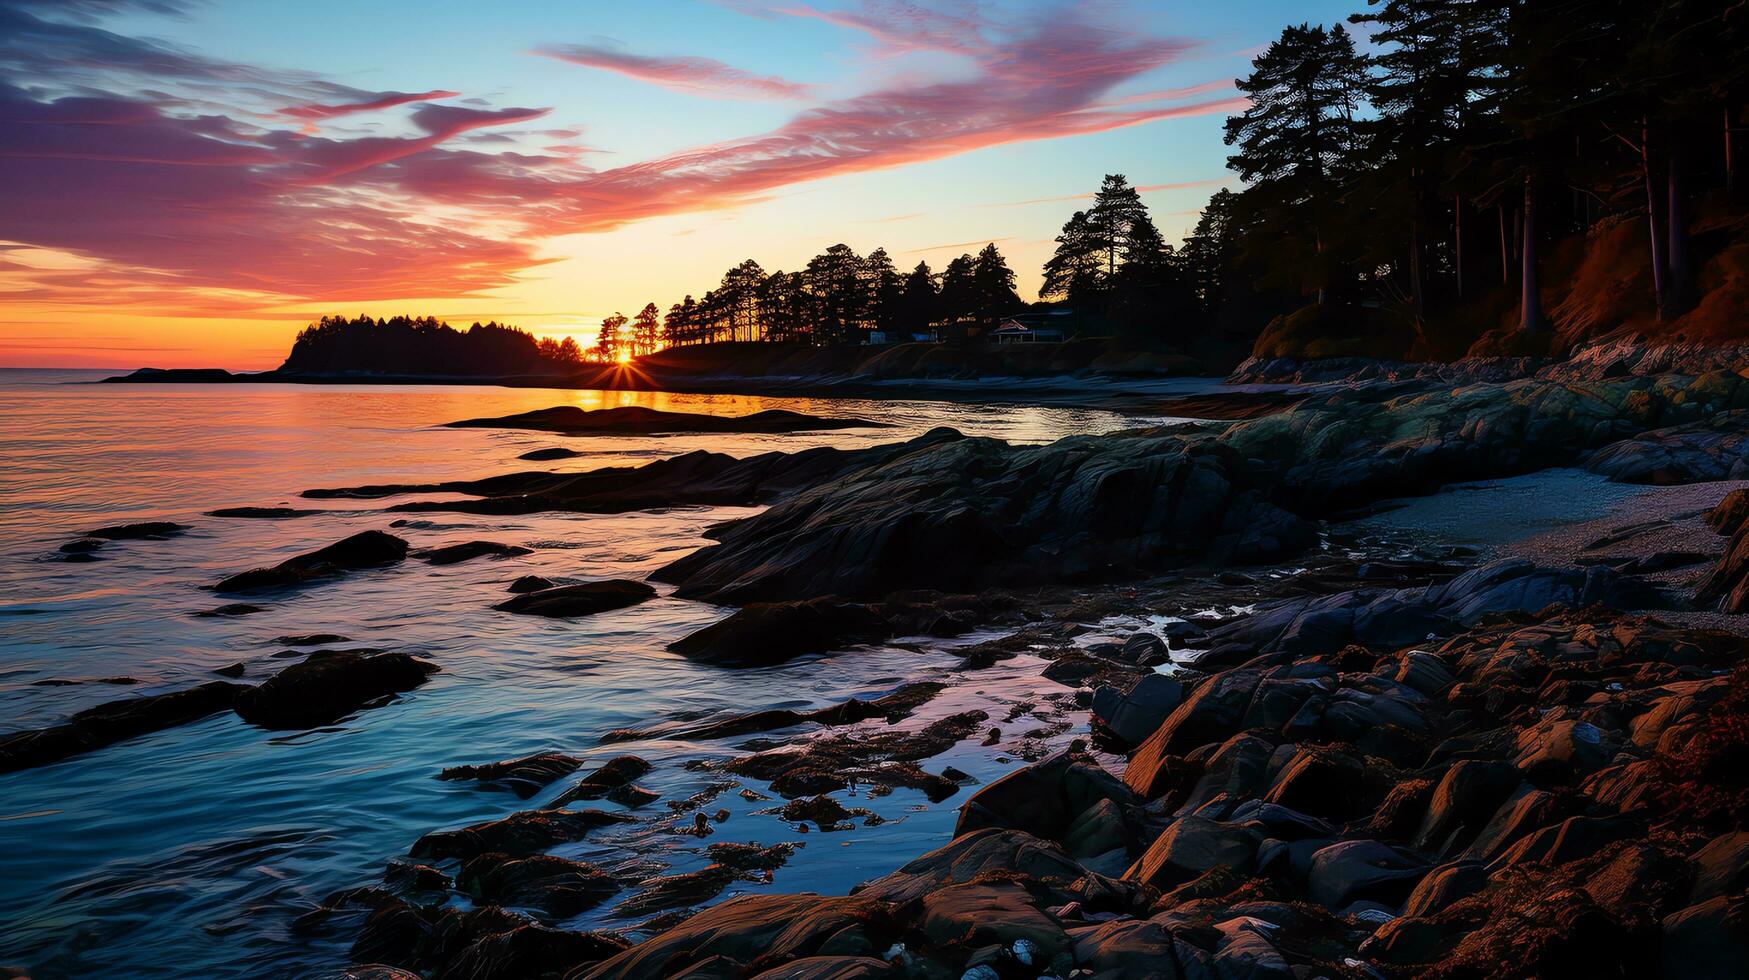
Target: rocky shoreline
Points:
(1261, 744)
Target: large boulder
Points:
(1193, 846)
(1370, 870)
(1045, 798)
(973, 513)
(327, 686)
(1710, 939)
(771, 632)
(1133, 715)
(367, 549)
(757, 929)
(971, 856)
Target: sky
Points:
(186, 183)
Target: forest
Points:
(1450, 177)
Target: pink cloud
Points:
(694, 76)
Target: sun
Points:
(624, 356)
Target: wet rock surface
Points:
(579, 600)
(570, 420)
(106, 724)
(367, 549)
(329, 685)
(455, 554)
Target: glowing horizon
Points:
(173, 194)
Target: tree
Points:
(918, 300)
(1076, 271)
(646, 331)
(992, 285)
(608, 342)
(959, 290)
(837, 282)
(885, 289)
(1292, 142)
(1117, 207)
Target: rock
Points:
(1731, 514)
(1044, 799)
(1722, 867)
(261, 513)
(971, 856)
(1710, 939)
(1570, 840)
(1349, 871)
(975, 915)
(1324, 782)
(1211, 714)
(1193, 846)
(677, 891)
(1726, 586)
(230, 670)
(1134, 715)
(893, 707)
(309, 639)
(579, 600)
(770, 928)
(831, 968)
(1557, 750)
(231, 609)
(522, 833)
(574, 421)
(556, 452)
(557, 887)
(613, 774)
(367, 549)
(530, 951)
(415, 877)
(329, 685)
(772, 632)
(82, 546)
(106, 724)
(1467, 797)
(1445, 886)
(524, 776)
(1716, 448)
(468, 550)
(530, 583)
(967, 514)
(144, 531)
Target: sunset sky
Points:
(187, 183)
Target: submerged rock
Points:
(367, 549)
(772, 632)
(144, 531)
(571, 420)
(530, 583)
(261, 513)
(543, 455)
(455, 554)
(524, 776)
(522, 833)
(616, 773)
(328, 686)
(557, 887)
(106, 724)
(579, 600)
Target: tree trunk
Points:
(1457, 248)
(1730, 167)
(1415, 270)
(1681, 278)
(1505, 256)
(1530, 317)
(1660, 295)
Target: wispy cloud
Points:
(692, 75)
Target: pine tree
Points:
(993, 285)
(918, 300)
(884, 291)
(1076, 271)
(646, 331)
(609, 342)
(1117, 207)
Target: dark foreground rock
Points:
(329, 685)
(109, 723)
(579, 600)
(144, 531)
(574, 421)
(261, 513)
(1726, 586)
(523, 833)
(555, 452)
(455, 554)
(973, 513)
(524, 777)
(367, 549)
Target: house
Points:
(1013, 331)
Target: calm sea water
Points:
(188, 852)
